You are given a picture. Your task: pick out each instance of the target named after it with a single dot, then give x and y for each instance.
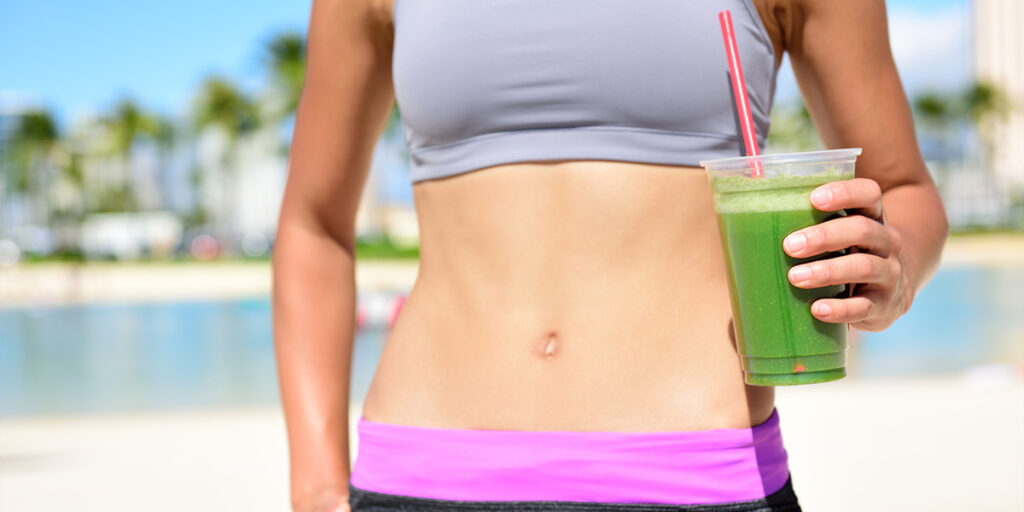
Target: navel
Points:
(549, 345)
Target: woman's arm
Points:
(345, 103)
(844, 66)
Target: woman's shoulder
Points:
(784, 19)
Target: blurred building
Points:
(396, 222)
(242, 186)
(27, 208)
(988, 191)
(381, 212)
(7, 124)
(999, 59)
(130, 235)
(242, 183)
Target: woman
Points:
(568, 336)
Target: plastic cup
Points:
(778, 340)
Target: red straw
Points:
(739, 89)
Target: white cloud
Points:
(932, 50)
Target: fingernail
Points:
(822, 309)
(795, 242)
(821, 196)
(799, 274)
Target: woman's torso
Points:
(585, 295)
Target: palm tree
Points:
(164, 136)
(221, 105)
(286, 64)
(985, 104)
(34, 137)
(32, 147)
(933, 107)
(938, 115)
(126, 124)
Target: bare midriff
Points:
(569, 295)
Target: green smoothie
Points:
(778, 339)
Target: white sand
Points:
(902, 445)
(857, 445)
(995, 249)
(57, 283)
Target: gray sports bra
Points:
(486, 82)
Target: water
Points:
(136, 356)
(964, 317)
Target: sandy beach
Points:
(951, 444)
(60, 283)
(48, 284)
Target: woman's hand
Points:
(881, 290)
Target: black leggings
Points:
(783, 500)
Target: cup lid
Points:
(828, 155)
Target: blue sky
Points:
(79, 57)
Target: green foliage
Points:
(32, 142)
(937, 113)
(59, 256)
(73, 169)
(163, 134)
(127, 123)
(36, 127)
(792, 129)
(115, 199)
(66, 255)
(286, 63)
(381, 247)
(933, 108)
(195, 217)
(220, 103)
(979, 103)
(984, 101)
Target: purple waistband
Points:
(687, 467)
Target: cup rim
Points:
(825, 155)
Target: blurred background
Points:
(143, 153)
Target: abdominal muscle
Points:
(569, 295)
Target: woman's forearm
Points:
(314, 316)
(916, 212)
